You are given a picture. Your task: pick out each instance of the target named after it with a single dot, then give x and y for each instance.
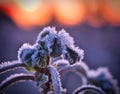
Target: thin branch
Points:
(15, 78)
(88, 88)
(6, 66)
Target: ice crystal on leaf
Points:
(57, 43)
(38, 58)
(25, 53)
(30, 56)
(73, 55)
(7, 66)
(46, 39)
(65, 38)
(88, 89)
(56, 81)
(61, 64)
(56, 48)
(49, 41)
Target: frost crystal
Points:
(38, 58)
(56, 81)
(50, 42)
(7, 66)
(57, 43)
(65, 38)
(46, 31)
(56, 48)
(46, 38)
(61, 64)
(88, 89)
(73, 55)
(30, 56)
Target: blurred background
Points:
(94, 24)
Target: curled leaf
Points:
(7, 66)
(46, 39)
(102, 78)
(73, 55)
(80, 69)
(39, 58)
(88, 88)
(15, 78)
(56, 48)
(65, 38)
(60, 64)
(25, 53)
(56, 81)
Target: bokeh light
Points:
(29, 13)
(40, 13)
(70, 12)
(110, 10)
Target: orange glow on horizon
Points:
(93, 16)
(70, 12)
(111, 11)
(40, 16)
(67, 12)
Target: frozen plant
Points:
(53, 55)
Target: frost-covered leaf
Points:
(49, 41)
(7, 66)
(60, 64)
(65, 38)
(57, 43)
(30, 56)
(73, 55)
(25, 53)
(56, 81)
(15, 78)
(80, 69)
(89, 89)
(46, 32)
(56, 48)
(39, 58)
(46, 39)
(103, 78)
